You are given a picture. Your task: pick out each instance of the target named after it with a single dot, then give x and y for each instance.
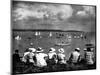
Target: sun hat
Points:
(39, 49)
(52, 50)
(32, 49)
(89, 49)
(85, 49)
(61, 50)
(78, 49)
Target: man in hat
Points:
(89, 56)
(61, 59)
(40, 58)
(61, 56)
(75, 56)
(52, 56)
(52, 59)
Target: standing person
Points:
(16, 57)
(15, 60)
(75, 56)
(40, 58)
(89, 57)
(61, 56)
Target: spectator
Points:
(40, 58)
(89, 56)
(52, 56)
(15, 60)
(75, 56)
(16, 57)
(25, 57)
(31, 55)
(61, 56)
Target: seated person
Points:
(61, 56)
(75, 56)
(52, 57)
(40, 58)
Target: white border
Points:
(5, 36)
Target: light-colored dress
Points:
(40, 59)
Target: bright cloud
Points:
(23, 11)
(87, 11)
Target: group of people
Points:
(40, 59)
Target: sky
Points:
(37, 15)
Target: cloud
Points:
(24, 11)
(82, 13)
(53, 16)
(41, 11)
(87, 11)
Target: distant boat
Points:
(61, 44)
(37, 33)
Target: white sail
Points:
(36, 33)
(18, 38)
(50, 34)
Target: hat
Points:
(61, 50)
(39, 49)
(32, 49)
(78, 49)
(85, 49)
(52, 50)
(92, 49)
(88, 49)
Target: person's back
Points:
(51, 55)
(61, 58)
(52, 58)
(28, 55)
(75, 56)
(89, 57)
(40, 59)
(25, 57)
(31, 55)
